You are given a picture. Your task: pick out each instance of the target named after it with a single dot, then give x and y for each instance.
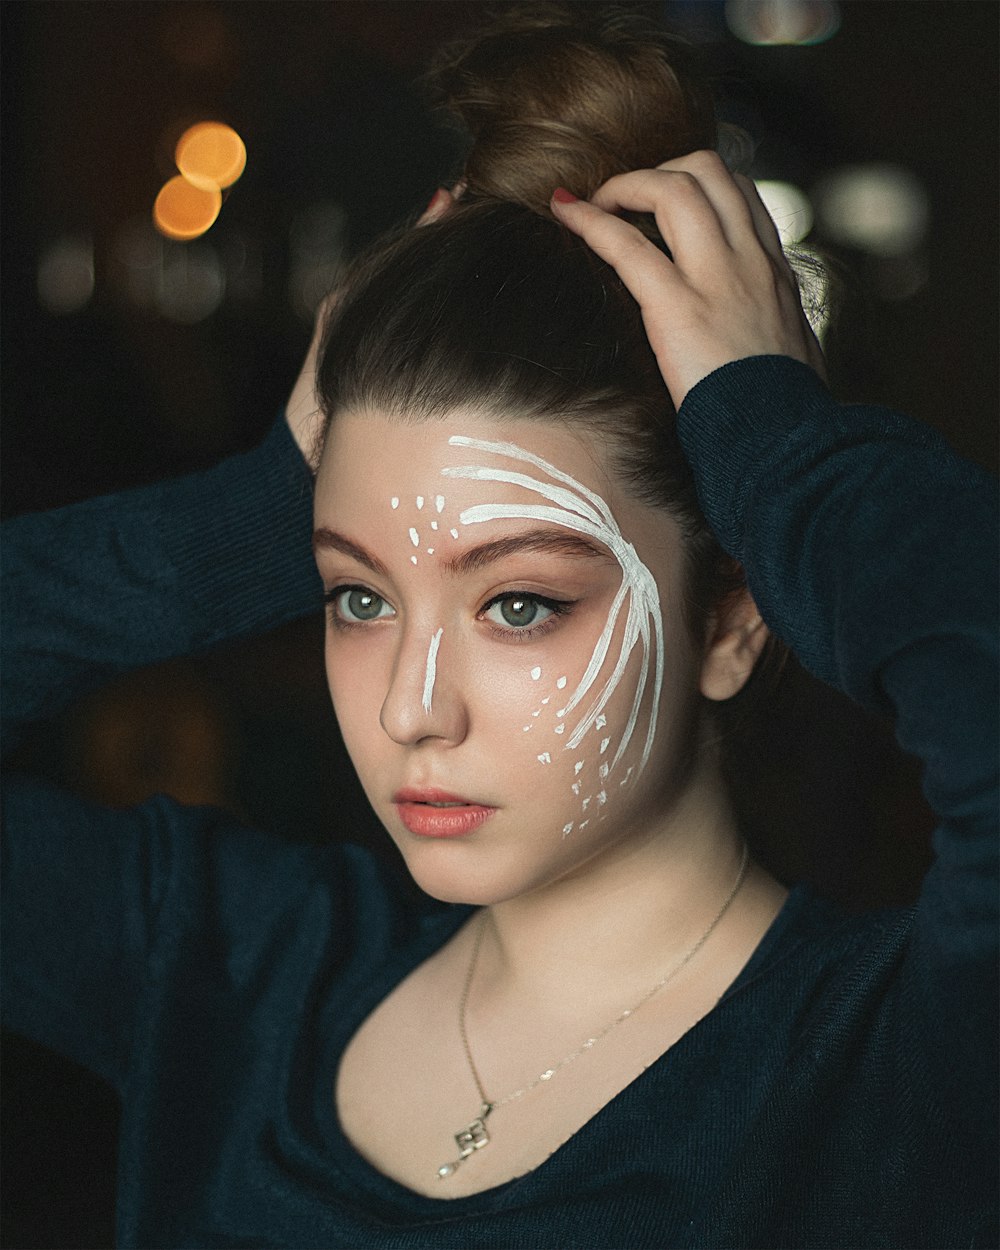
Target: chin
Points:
(448, 873)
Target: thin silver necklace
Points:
(474, 1136)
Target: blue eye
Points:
(356, 604)
(517, 611)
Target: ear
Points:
(735, 638)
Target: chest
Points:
(405, 1088)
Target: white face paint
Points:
(430, 672)
(575, 506)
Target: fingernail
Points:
(562, 196)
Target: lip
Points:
(413, 806)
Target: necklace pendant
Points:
(470, 1139)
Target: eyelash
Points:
(331, 597)
(557, 607)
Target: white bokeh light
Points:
(789, 208)
(879, 208)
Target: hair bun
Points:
(561, 95)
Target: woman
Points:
(620, 1030)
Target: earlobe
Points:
(737, 636)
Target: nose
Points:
(424, 699)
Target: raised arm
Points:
(869, 546)
(130, 579)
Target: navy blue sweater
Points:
(841, 1094)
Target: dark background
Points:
(120, 391)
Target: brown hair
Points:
(496, 306)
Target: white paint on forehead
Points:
(414, 537)
(561, 683)
(544, 758)
(430, 672)
(394, 502)
(578, 508)
(453, 533)
(420, 502)
(413, 559)
(434, 525)
(439, 502)
(536, 672)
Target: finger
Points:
(440, 203)
(763, 222)
(632, 256)
(696, 202)
(685, 217)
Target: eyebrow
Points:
(548, 541)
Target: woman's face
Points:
(505, 647)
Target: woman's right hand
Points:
(728, 291)
(305, 420)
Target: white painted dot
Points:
(545, 700)
(414, 537)
(586, 801)
(413, 559)
(434, 525)
(567, 829)
(536, 672)
(538, 713)
(561, 683)
(430, 551)
(600, 722)
(584, 824)
(560, 729)
(604, 744)
(420, 502)
(526, 728)
(561, 712)
(544, 758)
(394, 502)
(602, 772)
(453, 533)
(575, 787)
(602, 798)
(578, 767)
(439, 502)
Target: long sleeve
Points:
(89, 591)
(871, 549)
(126, 580)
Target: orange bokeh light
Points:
(183, 211)
(210, 155)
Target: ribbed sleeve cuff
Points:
(239, 539)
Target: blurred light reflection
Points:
(66, 275)
(210, 155)
(185, 283)
(789, 208)
(183, 211)
(318, 239)
(879, 208)
(767, 22)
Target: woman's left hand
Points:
(728, 291)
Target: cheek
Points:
(354, 691)
(548, 747)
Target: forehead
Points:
(369, 453)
